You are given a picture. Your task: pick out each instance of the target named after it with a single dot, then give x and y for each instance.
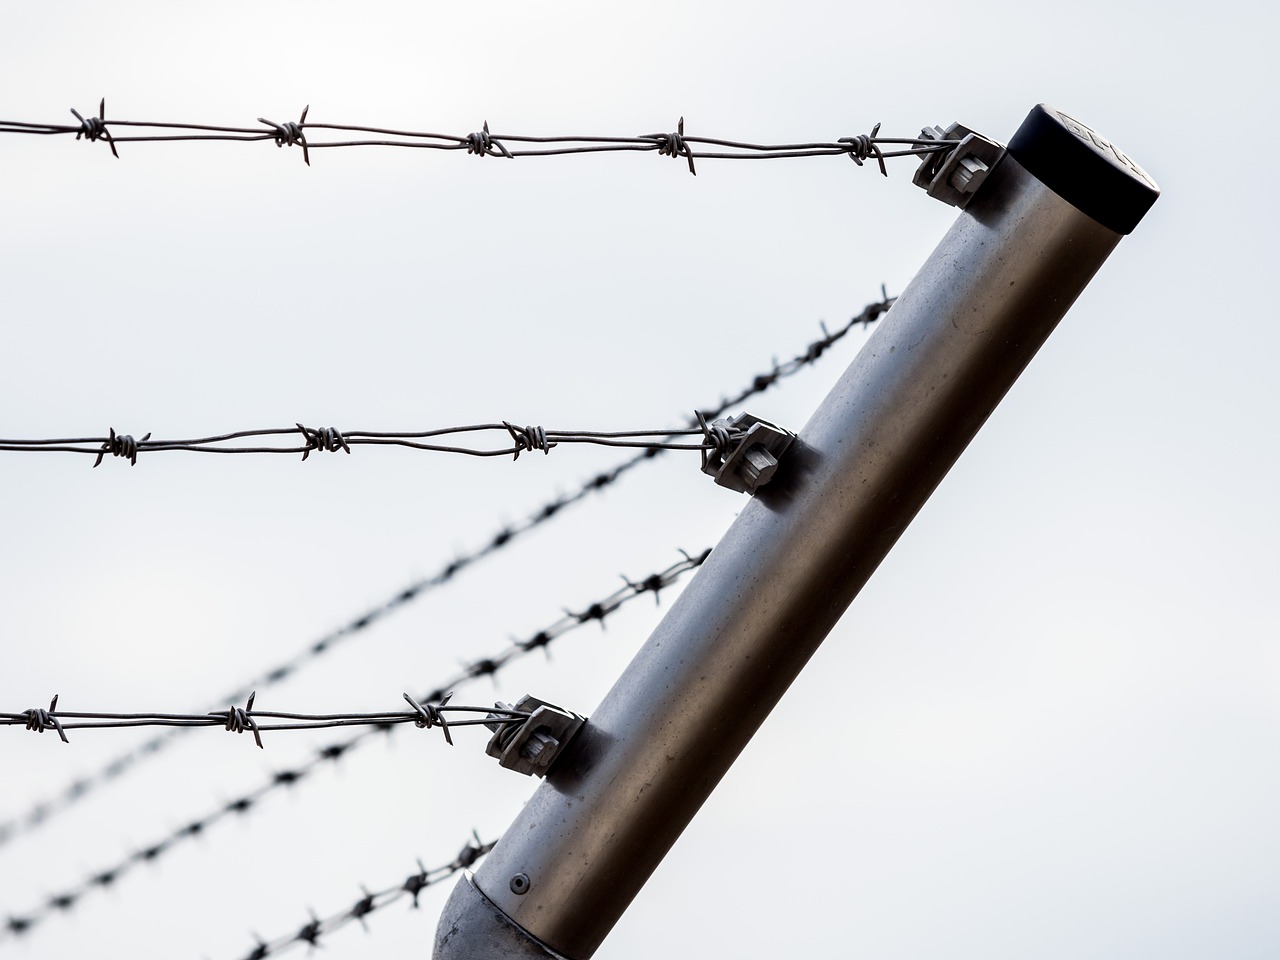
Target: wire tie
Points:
(483, 145)
(95, 128)
(528, 438)
(41, 720)
(673, 145)
(290, 133)
(238, 720)
(863, 146)
(429, 716)
(121, 445)
(322, 438)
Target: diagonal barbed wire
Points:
(64, 900)
(331, 439)
(39, 814)
(245, 719)
(312, 932)
(481, 143)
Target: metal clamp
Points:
(748, 457)
(953, 176)
(531, 747)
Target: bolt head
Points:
(540, 748)
(758, 467)
(969, 174)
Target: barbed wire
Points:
(65, 900)
(314, 931)
(481, 143)
(39, 813)
(319, 927)
(245, 719)
(333, 440)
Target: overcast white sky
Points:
(1048, 727)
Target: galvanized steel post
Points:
(1032, 236)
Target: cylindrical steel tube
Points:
(952, 345)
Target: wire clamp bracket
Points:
(954, 175)
(746, 451)
(531, 747)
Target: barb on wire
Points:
(331, 439)
(674, 145)
(290, 134)
(384, 723)
(482, 143)
(40, 720)
(40, 813)
(240, 719)
(865, 145)
(410, 888)
(95, 128)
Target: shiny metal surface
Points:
(947, 352)
(472, 928)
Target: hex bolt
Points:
(540, 748)
(758, 466)
(520, 884)
(969, 174)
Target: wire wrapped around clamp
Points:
(718, 436)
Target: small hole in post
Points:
(520, 884)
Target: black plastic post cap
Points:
(1084, 168)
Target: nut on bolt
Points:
(753, 458)
(953, 176)
(532, 746)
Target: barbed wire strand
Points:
(246, 719)
(40, 813)
(312, 932)
(65, 900)
(482, 143)
(333, 440)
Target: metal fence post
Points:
(1047, 215)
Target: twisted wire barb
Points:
(597, 612)
(242, 719)
(95, 128)
(482, 143)
(290, 134)
(39, 720)
(319, 927)
(39, 814)
(331, 440)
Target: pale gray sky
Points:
(1049, 725)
